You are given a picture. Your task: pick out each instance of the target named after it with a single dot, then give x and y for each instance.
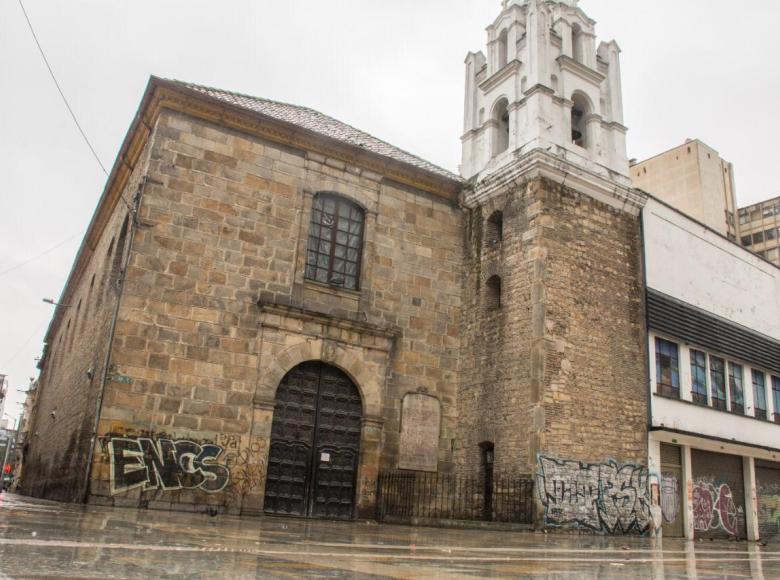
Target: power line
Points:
(51, 72)
(24, 344)
(43, 253)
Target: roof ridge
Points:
(238, 94)
(358, 135)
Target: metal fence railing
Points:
(404, 495)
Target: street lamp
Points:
(54, 302)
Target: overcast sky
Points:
(691, 68)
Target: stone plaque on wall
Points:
(420, 423)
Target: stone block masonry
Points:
(216, 310)
(558, 368)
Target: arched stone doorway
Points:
(315, 444)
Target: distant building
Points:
(694, 179)
(759, 229)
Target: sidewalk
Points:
(40, 538)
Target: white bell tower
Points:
(544, 87)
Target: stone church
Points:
(270, 307)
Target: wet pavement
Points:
(44, 539)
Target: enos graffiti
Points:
(606, 497)
(165, 464)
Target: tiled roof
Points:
(320, 123)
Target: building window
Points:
(493, 296)
(747, 240)
(718, 380)
(736, 389)
(759, 395)
(776, 397)
(500, 127)
(667, 368)
(502, 49)
(758, 238)
(699, 377)
(495, 228)
(576, 43)
(335, 241)
(579, 113)
(771, 234)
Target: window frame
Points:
(736, 385)
(338, 200)
(759, 412)
(720, 403)
(669, 389)
(696, 396)
(776, 397)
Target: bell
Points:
(576, 135)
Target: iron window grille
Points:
(335, 241)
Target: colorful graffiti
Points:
(165, 464)
(605, 497)
(769, 510)
(714, 508)
(670, 497)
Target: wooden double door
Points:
(315, 444)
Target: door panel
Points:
(315, 445)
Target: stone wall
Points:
(224, 224)
(559, 369)
(73, 368)
(595, 373)
(494, 398)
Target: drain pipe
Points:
(104, 375)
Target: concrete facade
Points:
(713, 405)
(696, 180)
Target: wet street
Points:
(44, 539)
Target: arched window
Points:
(493, 293)
(554, 84)
(335, 241)
(501, 127)
(579, 113)
(503, 49)
(576, 42)
(495, 228)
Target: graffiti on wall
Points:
(604, 497)
(165, 464)
(769, 510)
(670, 497)
(244, 461)
(714, 508)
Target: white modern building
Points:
(713, 315)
